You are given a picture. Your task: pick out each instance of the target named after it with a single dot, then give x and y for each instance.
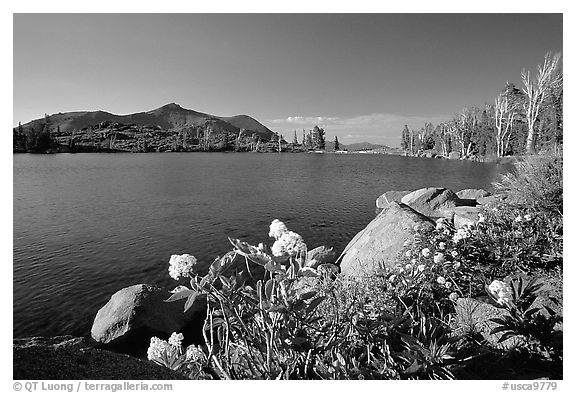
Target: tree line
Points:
(520, 120)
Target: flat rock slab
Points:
(491, 200)
(68, 357)
(388, 197)
(380, 242)
(472, 193)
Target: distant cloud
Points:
(384, 128)
(305, 120)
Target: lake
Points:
(87, 225)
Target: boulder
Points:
(465, 215)
(472, 193)
(75, 358)
(136, 313)
(454, 155)
(388, 197)
(380, 242)
(491, 199)
(473, 315)
(433, 201)
(319, 255)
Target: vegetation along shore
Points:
(439, 285)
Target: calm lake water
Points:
(87, 225)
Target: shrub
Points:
(536, 183)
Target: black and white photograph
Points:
(286, 196)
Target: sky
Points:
(361, 77)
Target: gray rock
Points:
(75, 358)
(136, 313)
(433, 201)
(491, 199)
(379, 243)
(454, 155)
(388, 197)
(319, 255)
(474, 316)
(472, 193)
(465, 215)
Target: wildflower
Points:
(454, 253)
(157, 348)
(453, 296)
(441, 246)
(439, 257)
(421, 267)
(195, 354)
(440, 223)
(426, 252)
(441, 280)
(481, 218)
(448, 285)
(501, 292)
(447, 232)
(461, 234)
(408, 253)
(176, 339)
(413, 261)
(518, 219)
(528, 217)
(181, 266)
(277, 229)
(408, 267)
(456, 265)
(392, 278)
(289, 243)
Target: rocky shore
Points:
(122, 328)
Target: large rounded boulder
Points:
(433, 201)
(136, 313)
(379, 244)
(388, 197)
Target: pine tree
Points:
(318, 138)
(336, 144)
(295, 141)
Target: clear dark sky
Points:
(361, 76)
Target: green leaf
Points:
(179, 295)
(268, 289)
(315, 303)
(505, 337)
(225, 281)
(307, 295)
(190, 301)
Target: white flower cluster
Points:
(181, 266)
(290, 243)
(277, 229)
(426, 252)
(176, 339)
(441, 223)
(157, 348)
(501, 291)
(439, 258)
(526, 218)
(461, 234)
(287, 243)
(195, 354)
